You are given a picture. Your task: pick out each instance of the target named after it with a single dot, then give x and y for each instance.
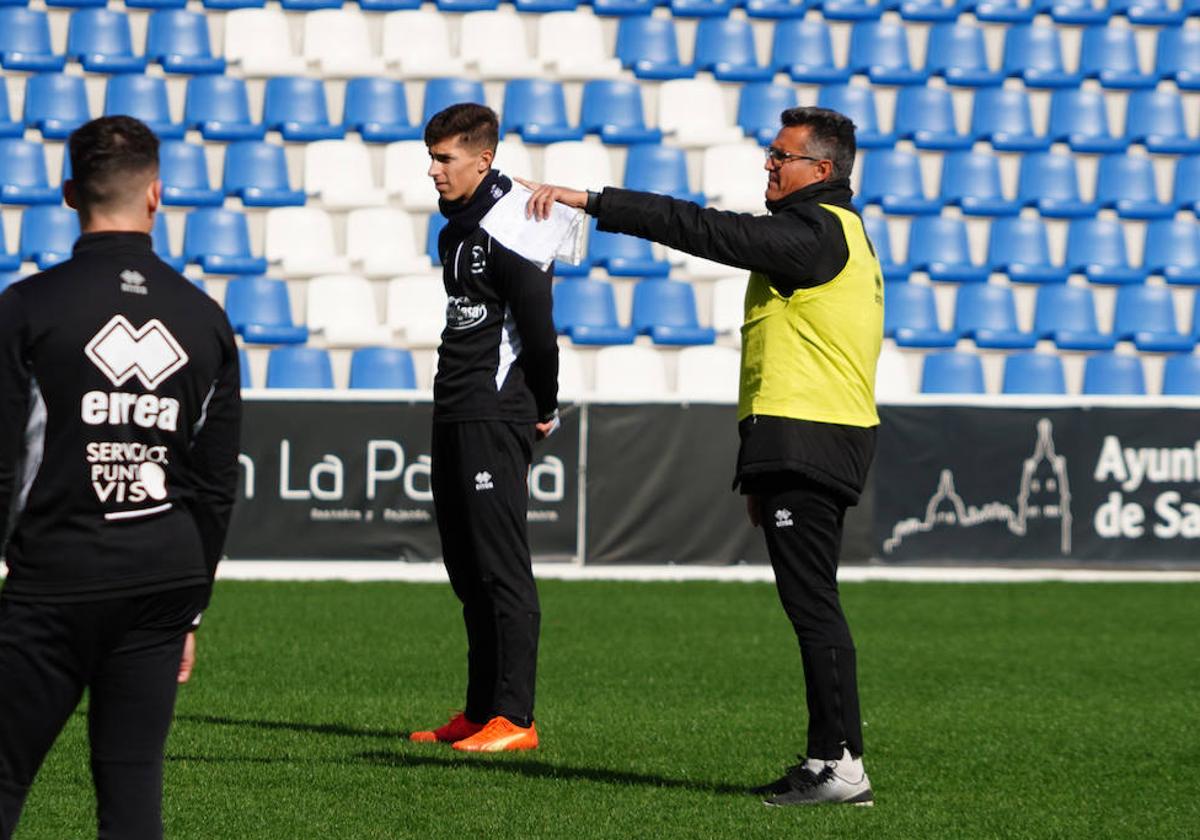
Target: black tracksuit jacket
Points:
(799, 245)
(119, 419)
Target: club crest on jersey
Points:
(121, 352)
(132, 282)
(478, 260)
(462, 313)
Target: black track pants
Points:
(481, 499)
(126, 652)
(803, 525)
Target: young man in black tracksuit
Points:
(119, 419)
(495, 393)
(806, 408)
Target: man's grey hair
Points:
(831, 136)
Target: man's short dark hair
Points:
(831, 136)
(475, 126)
(111, 159)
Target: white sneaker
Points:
(817, 781)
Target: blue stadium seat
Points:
(299, 367)
(938, 246)
(1078, 12)
(296, 108)
(925, 115)
(910, 317)
(586, 310)
(971, 180)
(929, 11)
(178, 40)
(1020, 248)
(23, 178)
(1173, 250)
(260, 311)
(777, 9)
(156, 4)
(378, 110)
(25, 42)
(1006, 11)
(725, 48)
(880, 49)
(1181, 375)
(546, 6)
(219, 108)
(1034, 53)
(892, 179)
(8, 126)
(48, 233)
(1150, 12)
(956, 52)
(244, 374)
(622, 255)
(436, 222)
(256, 172)
(1049, 182)
(184, 173)
(665, 310)
(1126, 184)
(537, 110)
(382, 367)
(75, 4)
(1178, 56)
(881, 240)
(1034, 373)
(7, 278)
(225, 5)
(759, 107)
(1154, 118)
(442, 93)
(988, 314)
(857, 103)
(1067, 316)
(612, 108)
(160, 239)
(622, 8)
(659, 169)
(144, 97)
(647, 45)
(1108, 374)
(803, 48)
(952, 372)
(1145, 315)
(1079, 118)
(1186, 190)
(8, 262)
(1096, 248)
(1004, 118)
(309, 5)
(101, 41)
(460, 6)
(219, 241)
(701, 8)
(55, 104)
(389, 5)
(1109, 54)
(853, 10)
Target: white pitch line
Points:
(348, 570)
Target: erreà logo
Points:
(133, 282)
(783, 518)
(121, 352)
(483, 480)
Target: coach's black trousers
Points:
(802, 522)
(481, 499)
(126, 652)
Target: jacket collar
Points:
(465, 214)
(835, 191)
(113, 242)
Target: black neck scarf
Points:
(464, 215)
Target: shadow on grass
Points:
(314, 728)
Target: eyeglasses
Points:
(780, 157)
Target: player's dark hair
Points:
(111, 159)
(831, 136)
(476, 126)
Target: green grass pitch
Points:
(992, 711)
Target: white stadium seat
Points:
(381, 240)
(339, 172)
(494, 43)
(630, 372)
(336, 41)
(405, 174)
(259, 42)
(416, 306)
(693, 110)
(581, 163)
(342, 308)
(572, 384)
(732, 177)
(728, 305)
(708, 374)
(417, 44)
(513, 158)
(300, 241)
(571, 44)
(893, 378)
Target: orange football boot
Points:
(457, 729)
(500, 735)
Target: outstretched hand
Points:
(544, 195)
